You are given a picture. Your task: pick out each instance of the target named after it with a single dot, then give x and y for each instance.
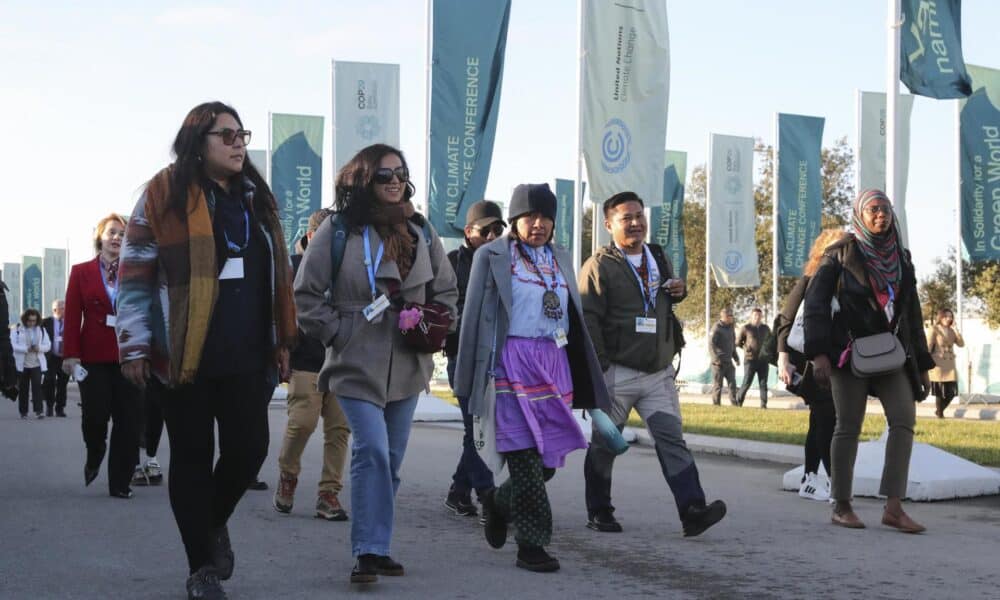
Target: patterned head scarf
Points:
(881, 251)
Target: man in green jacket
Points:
(627, 289)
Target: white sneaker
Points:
(813, 488)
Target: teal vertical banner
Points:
(930, 62)
(296, 171)
(466, 71)
(666, 222)
(800, 192)
(980, 166)
(31, 278)
(12, 277)
(565, 212)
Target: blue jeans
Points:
(380, 437)
(471, 472)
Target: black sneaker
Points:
(258, 485)
(222, 552)
(204, 584)
(699, 518)
(365, 569)
(384, 565)
(496, 525)
(461, 504)
(604, 520)
(49, 412)
(535, 558)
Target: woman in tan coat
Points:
(941, 341)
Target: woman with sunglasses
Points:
(872, 277)
(523, 323)
(205, 314)
(89, 338)
(391, 253)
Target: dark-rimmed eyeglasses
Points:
(384, 175)
(496, 229)
(878, 208)
(229, 135)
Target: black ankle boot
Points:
(535, 558)
(365, 569)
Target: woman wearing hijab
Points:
(941, 342)
(871, 275)
(524, 322)
(391, 256)
(89, 338)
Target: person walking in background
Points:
(30, 344)
(305, 406)
(628, 289)
(8, 371)
(391, 257)
(151, 431)
(523, 320)
(797, 375)
(206, 309)
(722, 349)
(55, 380)
(941, 342)
(871, 275)
(483, 223)
(751, 339)
(89, 341)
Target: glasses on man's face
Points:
(229, 135)
(495, 228)
(875, 209)
(384, 175)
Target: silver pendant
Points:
(551, 305)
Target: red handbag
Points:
(431, 332)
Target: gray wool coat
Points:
(369, 361)
(487, 313)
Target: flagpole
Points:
(958, 212)
(708, 241)
(891, 103)
(774, 217)
(578, 195)
(427, 113)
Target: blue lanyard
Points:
(234, 248)
(372, 268)
(648, 297)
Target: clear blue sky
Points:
(91, 94)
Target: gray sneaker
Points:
(284, 496)
(328, 507)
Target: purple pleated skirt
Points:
(534, 395)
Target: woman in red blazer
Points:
(89, 339)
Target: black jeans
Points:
(471, 472)
(722, 371)
(107, 395)
(54, 384)
(29, 381)
(151, 421)
(754, 368)
(203, 495)
(822, 421)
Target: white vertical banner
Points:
(624, 92)
(53, 277)
(731, 220)
(872, 126)
(12, 277)
(365, 107)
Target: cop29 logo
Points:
(368, 127)
(733, 261)
(616, 146)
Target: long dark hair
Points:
(353, 186)
(187, 167)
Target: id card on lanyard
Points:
(112, 291)
(644, 323)
(373, 312)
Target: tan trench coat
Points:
(941, 342)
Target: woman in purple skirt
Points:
(525, 326)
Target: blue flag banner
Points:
(980, 166)
(930, 62)
(12, 277)
(800, 192)
(31, 277)
(565, 211)
(466, 73)
(666, 222)
(296, 171)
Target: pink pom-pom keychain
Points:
(409, 318)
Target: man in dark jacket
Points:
(722, 347)
(305, 406)
(627, 290)
(8, 373)
(483, 223)
(55, 380)
(751, 339)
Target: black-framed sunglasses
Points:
(229, 135)
(496, 228)
(384, 175)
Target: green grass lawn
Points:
(972, 440)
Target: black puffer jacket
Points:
(860, 314)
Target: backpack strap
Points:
(337, 246)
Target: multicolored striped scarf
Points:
(881, 252)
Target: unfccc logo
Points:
(368, 127)
(616, 146)
(734, 261)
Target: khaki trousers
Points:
(305, 405)
(850, 397)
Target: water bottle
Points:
(602, 424)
